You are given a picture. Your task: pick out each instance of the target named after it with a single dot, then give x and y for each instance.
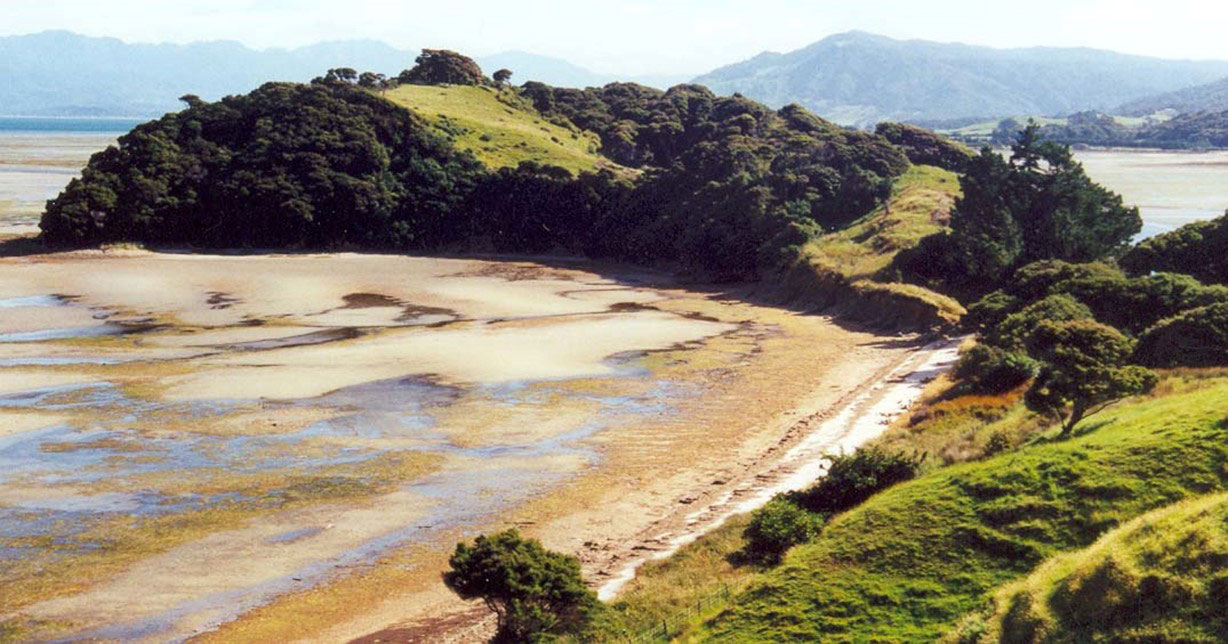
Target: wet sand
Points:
(221, 441)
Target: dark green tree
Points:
(1194, 338)
(341, 75)
(1199, 249)
(534, 592)
(1037, 205)
(372, 80)
(778, 526)
(443, 67)
(501, 77)
(853, 478)
(1084, 370)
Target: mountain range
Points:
(861, 78)
(1212, 97)
(853, 78)
(59, 73)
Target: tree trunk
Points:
(1076, 415)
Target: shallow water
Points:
(119, 452)
(1171, 189)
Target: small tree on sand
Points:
(1083, 370)
(533, 591)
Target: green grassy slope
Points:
(498, 133)
(910, 562)
(920, 205)
(1161, 577)
(840, 264)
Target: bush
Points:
(987, 369)
(1195, 338)
(534, 592)
(778, 526)
(1011, 332)
(853, 478)
(1199, 249)
(990, 310)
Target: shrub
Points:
(778, 526)
(988, 311)
(1195, 338)
(1011, 332)
(988, 369)
(534, 592)
(853, 478)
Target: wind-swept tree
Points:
(531, 590)
(341, 75)
(1083, 370)
(372, 80)
(443, 67)
(501, 77)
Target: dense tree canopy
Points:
(1037, 205)
(924, 147)
(443, 67)
(288, 165)
(1196, 337)
(1199, 249)
(731, 189)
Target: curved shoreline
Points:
(857, 419)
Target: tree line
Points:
(730, 189)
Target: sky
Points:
(638, 36)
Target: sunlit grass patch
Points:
(500, 133)
(909, 563)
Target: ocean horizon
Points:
(68, 124)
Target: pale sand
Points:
(295, 288)
(20, 320)
(19, 422)
(20, 380)
(473, 353)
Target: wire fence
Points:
(668, 629)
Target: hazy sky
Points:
(636, 36)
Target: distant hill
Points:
(1212, 97)
(561, 73)
(59, 73)
(861, 78)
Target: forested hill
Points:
(860, 78)
(721, 187)
(1212, 97)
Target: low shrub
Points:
(778, 526)
(853, 478)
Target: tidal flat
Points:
(197, 442)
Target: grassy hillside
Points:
(837, 268)
(920, 205)
(910, 562)
(500, 134)
(1161, 577)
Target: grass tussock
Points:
(912, 561)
